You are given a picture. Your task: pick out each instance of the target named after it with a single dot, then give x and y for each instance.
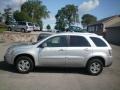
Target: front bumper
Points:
(8, 59)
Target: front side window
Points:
(98, 42)
(78, 41)
(58, 41)
(21, 23)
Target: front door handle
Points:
(61, 50)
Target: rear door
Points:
(78, 51)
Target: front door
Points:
(53, 51)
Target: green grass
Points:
(2, 30)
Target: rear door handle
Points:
(86, 49)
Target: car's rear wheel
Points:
(24, 64)
(94, 67)
(23, 30)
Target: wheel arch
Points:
(28, 55)
(97, 57)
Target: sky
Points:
(98, 8)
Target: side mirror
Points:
(43, 45)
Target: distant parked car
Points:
(43, 35)
(36, 27)
(22, 27)
(75, 29)
(11, 26)
(62, 50)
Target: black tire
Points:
(94, 67)
(27, 62)
(23, 30)
(9, 29)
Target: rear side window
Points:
(21, 23)
(78, 41)
(98, 42)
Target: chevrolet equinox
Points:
(70, 49)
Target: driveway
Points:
(59, 78)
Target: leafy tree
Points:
(66, 16)
(8, 15)
(32, 10)
(21, 16)
(0, 17)
(48, 27)
(35, 10)
(88, 19)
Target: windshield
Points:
(36, 25)
(75, 29)
(41, 37)
(30, 24)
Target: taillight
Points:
(110, 52)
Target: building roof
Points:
(105, 20)
(115, 25)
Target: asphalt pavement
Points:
(59, 78)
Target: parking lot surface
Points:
(59, 78)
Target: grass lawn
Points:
(2, 30)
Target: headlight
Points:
(9, 51)
(12, 52)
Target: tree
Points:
(88, 19)
(48, 27)
(8, 15)
(0, 17)
(21, 16)
(66, 16)
(35, 10)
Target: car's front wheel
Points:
(24, 64)
(94, 67)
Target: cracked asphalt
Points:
(59, 78)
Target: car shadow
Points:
(6, 67)
(10, 68)
(60, 70)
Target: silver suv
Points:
(22, 27)
(62, 50)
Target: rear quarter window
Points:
(98, 42)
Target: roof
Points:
(77, 33)
(105, 19)
(115, 25)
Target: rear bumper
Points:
(37, 29)
(29, 29)
(108, 61)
